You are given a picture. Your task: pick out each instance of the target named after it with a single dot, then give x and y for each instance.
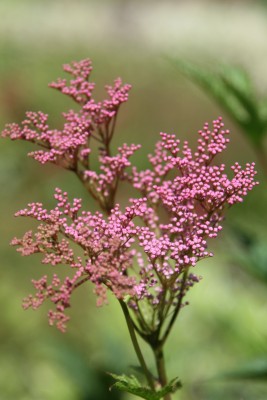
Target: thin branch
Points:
(136, 345)
(177, 309)
(111, 133)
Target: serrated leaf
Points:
(138, 370)
(171, 387)
(132, 385)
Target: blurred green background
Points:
(225, 326)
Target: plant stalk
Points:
(177, 309)
(136, 346)
(161, 370)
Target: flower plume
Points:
(144, 252)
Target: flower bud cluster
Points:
(142, 253)
(70, 146)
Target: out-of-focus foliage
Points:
(250, 252)
(253, 370)
(233, 89)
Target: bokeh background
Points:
(224, 328)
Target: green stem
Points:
(177, 309)
(136, 345)
(160, 363)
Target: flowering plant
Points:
(144, 254)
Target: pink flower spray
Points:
(146, 253)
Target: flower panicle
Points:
(142, 252)
(95, 120)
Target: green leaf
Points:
(132, 385)
(232, 88)
(254, 370)
(250, 252)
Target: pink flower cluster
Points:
(70, 147)
(142, 254)
(105, 257)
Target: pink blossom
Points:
(144, 253)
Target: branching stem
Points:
(177, 309)
(136, 345)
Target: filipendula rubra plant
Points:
(144, 254)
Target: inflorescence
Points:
(144, 254)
